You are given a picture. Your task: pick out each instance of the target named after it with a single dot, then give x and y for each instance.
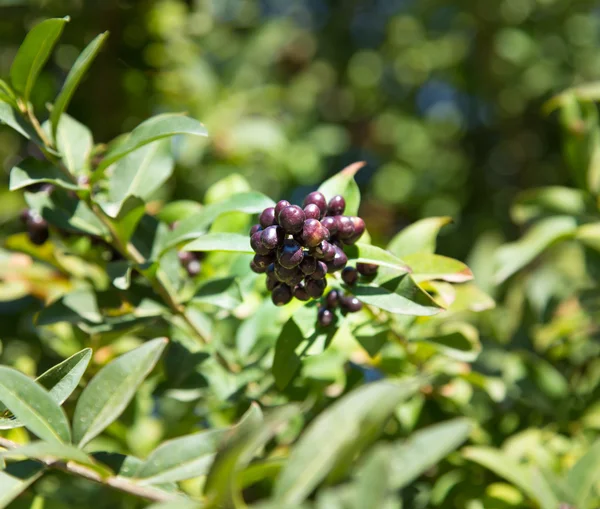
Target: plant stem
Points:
(115, 482)
(128, 250)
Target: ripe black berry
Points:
(271, 284)
(367, 269)
(350, 275)
(271, 272)
(300, 293)
(318, 199)
(320, 271)
(332, 299)
(325, 317)
(37, 230)
(284, 274)
(313, 233)
(290, 255)
(311, 211)
(281, 204)
(255, 268)
(257, 245)
(271, 237)
(255, 228)
(339, 261)
(345, 227)
(292, 219)
(336, 206)
(263, 261)
(308, 265)
(351, 304)
(315, 287)
(331, 224)
(267, 218)
(281, 295)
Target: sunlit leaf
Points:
(343, 183)
(419, 237)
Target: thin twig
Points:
(118, 483)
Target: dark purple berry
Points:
(325, 251)
(350, 275)
(317, 198)
(332, 299)
(281, 295)
(186, 257)
(255, 228)
(284, 274)
(271, 237)
(311, 211)
(331, 224)
(263, 261)
(308, 265)
(290, 255)
(267, 218)
(37, 230)
(300, 293)
(271, 284)
(281, 204)
(257, 245)
(292, 219)
(313, 233)
(345, 227)
(325, 317)
(271, 272)
(367, 269)
(296, 279)
(193, 268)
(336, 206)
(320, 271)
(255, 268)
(359, 229)
(351, 304)
(339, 260)
(315, 287)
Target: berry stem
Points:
(127, 250)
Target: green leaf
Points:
(60, 381)
(552, 200)
(458, 340)
(179, 210)
(182, 458)
(176, 504)
(427, 267)
(119, 273)
(7, 95)
(515, 473)
(287, 362)
(358, 414)
(12, 119)
(198, 224)
(110, 391)
(244, 440)
(229, 242)
(33, 406)
(33, 54)
(16, 478)
(74, 142)
(469, 296)
(32, 171)
(80, 67)
(512, 257)
(589, 234)
(583, 476)
(49, 450)
(222, 292)
(366, 253)
(153, 129)
(399, 295)
(127, 215)
(419, 237)
(343, 183)
(74, 307)
(140, 174)
(424, 449)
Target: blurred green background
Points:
(441, 98)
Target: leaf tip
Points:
(352, 169)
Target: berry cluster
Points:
(297, 247)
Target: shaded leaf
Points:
(343, 183)
(181, 458)
(12, 119)
(110, 391)
(551, 200)
(74, 307)
(33, 406)
(16, 478)
(419, 237)
(286, 362)
(33, 54)
(584, 475)
(426, 267)
(366, 253)
(469, 296)
(223, 292)
(178, 210)
(32, 171)
(119, 273)
(229, 242)
(155, 128)
(80, 67)
(457, 340)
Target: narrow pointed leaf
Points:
(16, 478)
(33, 406)
(33, 54)
(32, 171)
(427, 267)
(74, 307)
(419, 237)
(74, 142)
(343, 183)
(110, 391)
(80, 67)
(155, 128)
(49, 450)
(366, 253)
(584, 475)
(182, 458)
(229, 242)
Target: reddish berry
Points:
(267, 218)
(367, 269)
(315, 287)
(281, 204)
(257, 245)
(345, 227)
(331, 224)
(255, 228)
(313, 233)
(336, 206)
(350, 275)
(281, 295)
(271, 237)
(292, 219)
(339, 260)
(317, 198)
(311, 211)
